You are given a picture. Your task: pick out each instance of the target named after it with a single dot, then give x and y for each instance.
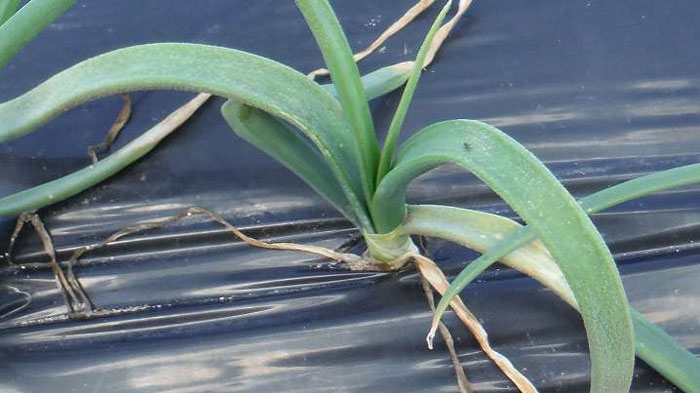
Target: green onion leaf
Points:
(249, 79)
(285, 145)
(69, 185)
(346, 78)
(277, 140)
(392, 136)
(611, 196)
(380, 82)
(482, 231)
(377, 83)
(24, 25)
(7, 9)
(538, 197)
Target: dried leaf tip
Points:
(431, 336)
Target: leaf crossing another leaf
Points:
(538, 197)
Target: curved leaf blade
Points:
(279, 141)
(296, 153)
(346, 77)
(376, 83)
(29, 21)
(482, 231)
(76, 182)
(243, 77)
(538, 197)
(601, 200)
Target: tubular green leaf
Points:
(380, 82)
(67, 186)
(538, 197)
(482, 231)
(29, 21)
(285, 145)
(641, 186)
(376, 84)
(601, 200)
(296, 153)
(392, 136)
(346, 78)
(246, 78)
(666, 355)
(7, 9)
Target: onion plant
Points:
(325, 135)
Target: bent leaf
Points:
(282, 143)
(482, 231)
(376, 84)
(538, 197)
(296, 153)
(67, 186)
(26, 23)
(611, 196)
(243, 77)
